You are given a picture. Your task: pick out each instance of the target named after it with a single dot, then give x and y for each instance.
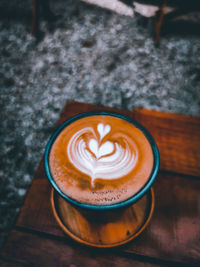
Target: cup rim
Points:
(124, 203)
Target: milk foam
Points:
(101, 160)
(98, 158)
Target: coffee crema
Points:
(101, 160)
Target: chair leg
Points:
(39, 8)
(159, 22)
(35, 17)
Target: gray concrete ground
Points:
(89, 55)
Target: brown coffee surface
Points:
(101, 160)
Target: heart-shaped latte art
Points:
(103, 129)
(100, 151)
(109, 160)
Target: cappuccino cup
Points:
(101, 160)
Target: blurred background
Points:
(88, 54)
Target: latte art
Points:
(97, 158)
(100, 160)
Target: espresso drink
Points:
(101, 160)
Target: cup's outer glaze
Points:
(127, 202)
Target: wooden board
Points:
(31, 249)
(8, 262)
(174, 226)
(177, 137)
(173, 234)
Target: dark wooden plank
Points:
(35, 250)
(36, 213)
(177, 137)
(173, 233)
(73, 108)
(9, 263)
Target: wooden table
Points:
(171, 238)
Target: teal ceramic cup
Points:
(103, 207)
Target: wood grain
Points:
(36, 250)
(173, 232)
(103, 229)
(177, 137)
(36, 213)
(74, 108)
